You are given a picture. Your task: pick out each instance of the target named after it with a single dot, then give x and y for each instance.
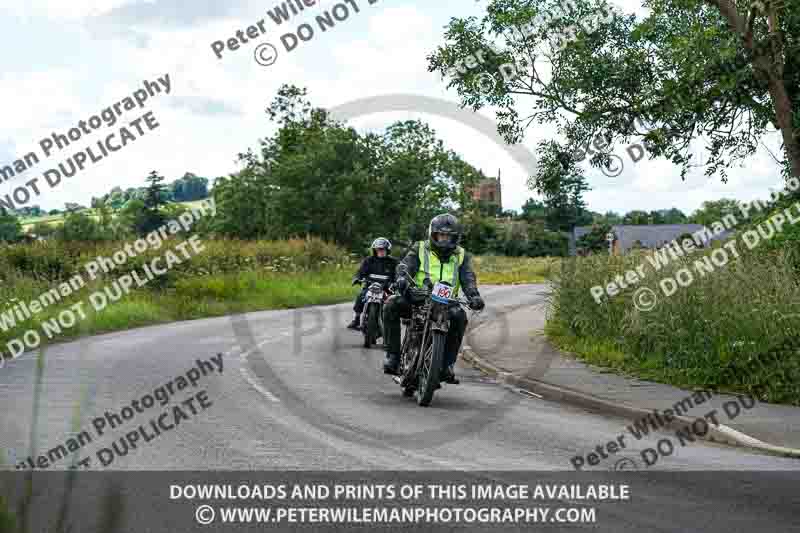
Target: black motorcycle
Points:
(422, 351)
(372, 316)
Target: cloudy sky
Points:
(65, 61)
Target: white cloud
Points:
(61, 9)
(380, 50)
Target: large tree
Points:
(316, 176)
(724, 70)
(559, 179)
(715, 211)
(533, 210)
(189, 188)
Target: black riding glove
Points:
(356, 281)
(402, 285)
(476, 303)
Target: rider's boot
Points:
(356, 323)
(392, 364)
(449, 375)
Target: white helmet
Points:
(381, 243)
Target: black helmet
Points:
(381, 243)
(447, 225)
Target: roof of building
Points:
(651, 235)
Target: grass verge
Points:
(228, 277)
(736, 329)
(497, 270)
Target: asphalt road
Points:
(297, 391)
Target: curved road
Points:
(297, 391)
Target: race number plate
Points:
(442, 293)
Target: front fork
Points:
(438, 320)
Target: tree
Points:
(116, 198)
(111, 228)
(32, 211)
(562, 184)
(139, 219)
(155, 195)
(315, 176)
(674, 216)
(715, 211)
(71, 207)
(145, 215)
(189, 188)
(243, 207)
(724, 70)
(480, 233)
(533, 210)
(78, 226)
(610, 218)
(595, 240)
(10, 228)
(636, 218)
(489, 209)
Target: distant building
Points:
(489, 191)
(653, 236)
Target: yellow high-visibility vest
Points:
(434, 269)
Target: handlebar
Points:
(462, 301)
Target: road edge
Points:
(720, 434)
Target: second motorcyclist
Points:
(379, 267)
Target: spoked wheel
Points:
(407, 381)
(371, 327)
(429, 369)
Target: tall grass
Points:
(735, 329)
(226, 277)
(514, 270)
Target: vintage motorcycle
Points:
(372, 317)
(425, 333)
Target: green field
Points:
(55, 220)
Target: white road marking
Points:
(248, 375)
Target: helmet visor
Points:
(444, 239)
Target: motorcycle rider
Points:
(380, 267)
(444, 260)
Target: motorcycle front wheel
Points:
(429, 369)
(371, 327)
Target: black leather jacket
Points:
(380, 269)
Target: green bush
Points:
(226, 276)
(487, 236)
(737, 328)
